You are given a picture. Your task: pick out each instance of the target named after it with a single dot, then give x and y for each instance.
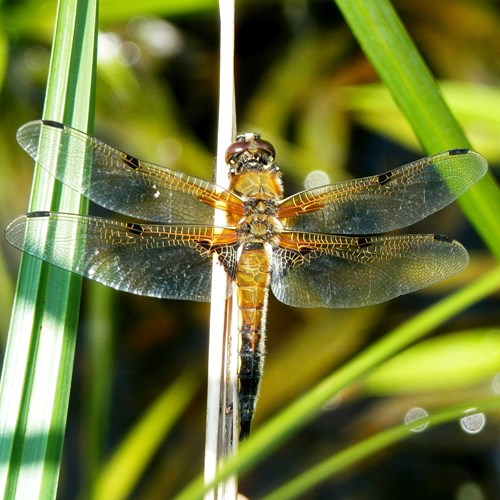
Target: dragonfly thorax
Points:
(258, 228)
(261, 206)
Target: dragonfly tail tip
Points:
(244, 429)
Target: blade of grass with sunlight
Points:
(38, 364)
(392, 53)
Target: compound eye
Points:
(266, 147)
(236, 148)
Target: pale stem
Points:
(222, 400)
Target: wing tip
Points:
(26, 132)
(457, 249)
(480, 164)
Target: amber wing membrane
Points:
(387, 201)
(121, 182)
(173, 262)
(319, 270)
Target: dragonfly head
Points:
(250, 153)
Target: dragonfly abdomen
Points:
(252, 281)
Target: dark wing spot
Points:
(131, 161)
(459, 151)
(364, 242)
(51, 123)
(135, 228)
(38, 214)
(384, 178)
(442, 237)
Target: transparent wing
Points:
(173, 262)
(388, 201)
(318, 270)
(122, 183)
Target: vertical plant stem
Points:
(221, 393)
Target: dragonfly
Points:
(321, 247)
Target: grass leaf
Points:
(395, 58)
(38, 364)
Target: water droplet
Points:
(414, 415)
(474, 423)
(37, 57)
(130, 53)
(495, 383)
(316, 179)
(333, 402)
(169, 150)
(161, 38)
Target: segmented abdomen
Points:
(252, 281)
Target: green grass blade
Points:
(38, 364)
(4, 52)
(98, 352)
(392, 53)
(120, 474)
(372, 106)
(447, 363)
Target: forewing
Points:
(388, 201)
(317, 270)
(121, 182)
(173, 262)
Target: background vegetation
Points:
(303, 82)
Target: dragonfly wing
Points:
(388, 201)
(121, 182)
(173, 262)
(317, 270)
